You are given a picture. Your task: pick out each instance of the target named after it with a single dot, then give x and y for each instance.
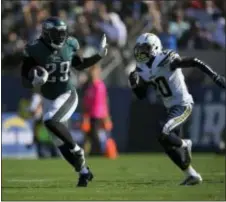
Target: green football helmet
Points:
(54, 32)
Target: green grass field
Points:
(130, 177)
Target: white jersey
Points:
(169, 84)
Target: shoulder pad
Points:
(170, 56)
(73, 42)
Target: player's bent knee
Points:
(49, 123)
(161, 137)
(162, 140)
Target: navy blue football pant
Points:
(169, 138)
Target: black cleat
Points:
(84, 179)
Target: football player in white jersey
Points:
(161, 69)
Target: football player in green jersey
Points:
(46, 66)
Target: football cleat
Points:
(192, 180)
(84, 179)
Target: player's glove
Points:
(219, 80)
(39, 80)
(134, 79)
(103, 46)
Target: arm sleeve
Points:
(188, 62)
(27, 64)
(80, 63)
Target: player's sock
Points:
(61, 131)
(179, 156)
(84, 170)
(184, 144)
(190, 171)
(79, 159)
(75, 149)
(66, 153)
(75, 158)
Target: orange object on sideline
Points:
(107, 124)
(111, 149)
(85, 124)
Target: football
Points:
(31, 72)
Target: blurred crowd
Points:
(184, 24)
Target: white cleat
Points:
(193, 177)
(192, 180)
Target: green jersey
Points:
(56, 62)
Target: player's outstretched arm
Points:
(80, 63)
(83, 63)
(138, 86)
(188, 62)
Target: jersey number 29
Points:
(64, 71)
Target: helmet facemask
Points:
(142, 52)
(56, 36)
(148, 46)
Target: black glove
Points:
(134, 79)
(219, 80)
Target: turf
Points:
(130, 177)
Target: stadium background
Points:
(194, 28)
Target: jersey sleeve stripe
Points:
(162, 63)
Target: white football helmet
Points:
(147, 46)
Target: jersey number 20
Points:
(162, 86)
(64, 71)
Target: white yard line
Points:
(30, 180)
